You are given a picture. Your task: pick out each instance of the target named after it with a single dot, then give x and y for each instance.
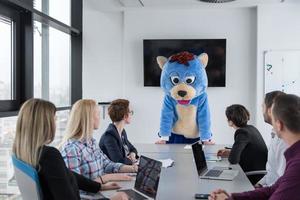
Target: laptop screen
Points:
(148, 175)
(199, 158)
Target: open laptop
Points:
(147, 179)
(216, 173)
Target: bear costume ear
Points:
(161, 60)
(203, 57)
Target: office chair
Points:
(27, 180)
(29, 185)
(257, 172)
(255, 176)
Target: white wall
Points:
(278, 28)
(113, 52)
(238, 26)
(102, 56)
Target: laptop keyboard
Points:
(213, 173)
(133, 195)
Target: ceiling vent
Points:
(216, 1)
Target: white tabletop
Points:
(181, 181)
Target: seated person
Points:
(79, 149)
(286, 123)
(276, 162)
(114, 142)
(249, 149)
(35, 130)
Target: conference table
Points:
(181, 181)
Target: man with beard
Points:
(276, 162)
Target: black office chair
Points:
(255, 176)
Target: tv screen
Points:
(215, 48)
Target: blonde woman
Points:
(79, 149)
(35, 130)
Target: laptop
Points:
(147, 179)
(216, 173)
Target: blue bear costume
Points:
(185, 115)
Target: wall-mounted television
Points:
(215, 48)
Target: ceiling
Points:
(111, 5)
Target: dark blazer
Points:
(112, 145)
(249, 150)
(57, 181)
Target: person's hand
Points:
(120, 196)
(209, 142)
(161, 142)
(219, 194)
(135, 167)
(123, 177)
(110, 186)
(115, 177)
(132, 157)
(223, 153)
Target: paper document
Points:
(166, 162)
(190, 146)
(212, 157)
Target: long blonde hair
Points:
(35, 128)
(81, 121)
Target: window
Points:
(8, 184)
(7, 133)
(61, 124)
(52, 55)
(40, 41)
(9, 28)
(36, 55)
(37, 59)
(6, 58)
(58, 9)
(52, 65)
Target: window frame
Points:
(13, 15)
(24, 51)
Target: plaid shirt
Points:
(87, 159)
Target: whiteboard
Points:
(282, 71)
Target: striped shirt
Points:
(87, 159)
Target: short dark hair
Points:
(271, 96)
(238, 114)
(118, 109)
(287, 110)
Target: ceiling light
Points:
(216, 1)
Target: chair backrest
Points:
(27, 180)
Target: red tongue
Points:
(183, 102)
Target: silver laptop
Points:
(147, 179)
(216, 173)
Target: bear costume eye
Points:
(175, 80)
(189, 80)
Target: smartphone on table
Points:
(201, 196)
